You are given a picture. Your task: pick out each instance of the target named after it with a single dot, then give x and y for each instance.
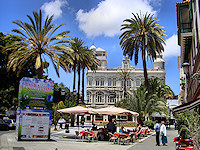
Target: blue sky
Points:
(98, 22)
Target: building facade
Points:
(106, 86)
(188, 28)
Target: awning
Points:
(187, 106)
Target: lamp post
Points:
(74, 94)
(185, 66)
(62, 93)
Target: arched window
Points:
(90, 81)
(111, 81)
(138, 82)
(89, 97)
(112, 97)
(99, 82)
(99, 97)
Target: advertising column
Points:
(34, 113)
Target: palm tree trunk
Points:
(74, 81)
(79, 80)
(145, 70)
(124, 87)
(40, 70)
(83, 74)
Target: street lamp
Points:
(62, 93)
(185, 66)
(74, 94)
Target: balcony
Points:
(186, 27)
(184, 21)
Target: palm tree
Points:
(90, 62)
(154, 104)
(142, 33)
(78, 50)
(158, 87)
(36, 38)
(124, 77)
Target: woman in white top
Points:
(163, 133)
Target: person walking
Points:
(163, 133)
(157, 130)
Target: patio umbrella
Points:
(111, 110)
(79, 110)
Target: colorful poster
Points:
(35, 94)
(34, 125)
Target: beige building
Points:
(106, 86)
(188, 27)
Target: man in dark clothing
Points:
(157, 130)
(110, 126)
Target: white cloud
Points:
(107, 17)
(171, 49)
(54, 8)
(155, 3)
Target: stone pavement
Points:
(67, 141)
(149, 144)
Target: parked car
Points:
(3, 125)
(11, 123)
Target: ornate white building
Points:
(106, 86)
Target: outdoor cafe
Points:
(104, 133)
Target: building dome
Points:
(158, 60)
(92, 47)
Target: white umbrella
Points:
(111, 110)
(79, 110)
(75, 110)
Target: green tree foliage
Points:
(80, 58)
(143, 105)
(8, 79)
(35, 39)
(55, 114)
(142, 33)
(124, 76)
(67, 98)
(189, 124)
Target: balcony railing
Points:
(186, 27)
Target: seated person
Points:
(122, 130)
(138, 130)
(145, 129)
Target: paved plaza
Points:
(66, 141)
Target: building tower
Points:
(125, 63)
(159, 62)
(102, 56)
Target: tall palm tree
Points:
(89, 61)
(36, 38)
(142, 33)
(78, 50)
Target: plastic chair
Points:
(94, 135)
(124, 139)
(78, 135)
(112, 138)
(89, 136)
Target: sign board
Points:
(33, 124)
(35, 93)
(34, 113)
